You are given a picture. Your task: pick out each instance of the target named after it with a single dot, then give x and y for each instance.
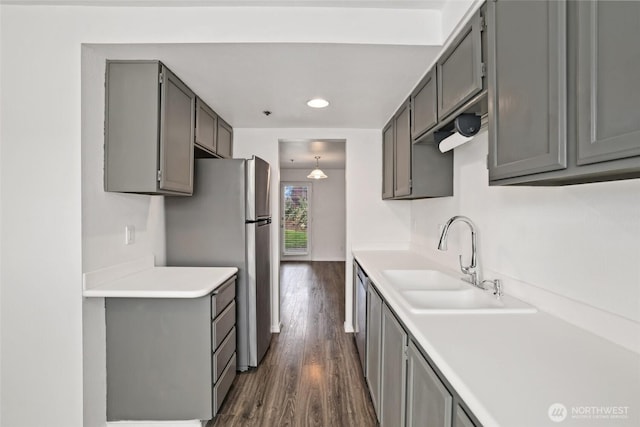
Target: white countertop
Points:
(510, 368)
(162, 282)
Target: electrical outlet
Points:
(129, 235)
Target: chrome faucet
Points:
(470, 269)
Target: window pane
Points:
(296, 210)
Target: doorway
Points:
(296, 212)
(312, 211)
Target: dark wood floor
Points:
(311, 375)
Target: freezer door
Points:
(258, 184)
(259, 266)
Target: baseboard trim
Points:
(180, 423)
(348, 328)
(275, 329)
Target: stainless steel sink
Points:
(422, 280)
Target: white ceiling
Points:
(364, 83)
(303, 152)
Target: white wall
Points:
(41, 197)
(327, 229)
(580, 242)
(455, 13)
(104, 217)
(371, 223)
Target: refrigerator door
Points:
(258, 184)
(259, 268)
(208, 230)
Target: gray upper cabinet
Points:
(387, 161)
(149, 129)
(429, 403)
(373, 355)
(411, 170)
(402, 157)
(563, 92)
(224, 139)
(424, 105)
(528, 87)
(607, 76)
(206, 127)
(460, 69)
(461, 419)
(393, 371)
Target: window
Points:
(295, 218)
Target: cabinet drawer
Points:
(223, 354)
(222, 325)
(222, 297)
(221, 388)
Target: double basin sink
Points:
(435, 292)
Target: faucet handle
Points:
(497, 287)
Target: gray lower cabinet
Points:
(527, 98)
(149, 129)
(428, 400)
(206, 127)
(563, 92)
(170, 358)
(393, 370)
(373, 353)
(223, 342)
(460, 68)
(405, 388)
(224, 141)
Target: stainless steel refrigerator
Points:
(227, 222)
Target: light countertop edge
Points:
(164, 282)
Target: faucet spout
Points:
(442, 245)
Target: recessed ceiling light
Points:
(317, 103)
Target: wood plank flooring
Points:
(311, 374)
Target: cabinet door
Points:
(374, 333)
(393, 372)
(225, 140)
(402, 158)
(206, 127)
(462, 419)
(428, 401)
(158, 358)
(177, 120)
(424, 105)
(608, 114)
(527, 87)
(387, 161)
(460, 69)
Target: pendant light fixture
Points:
(317, 173)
